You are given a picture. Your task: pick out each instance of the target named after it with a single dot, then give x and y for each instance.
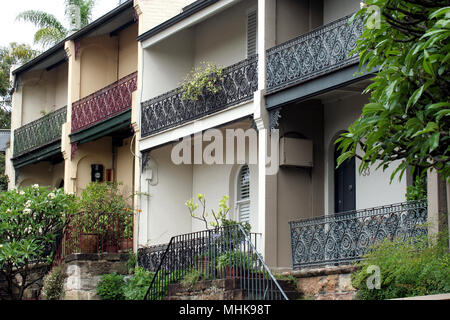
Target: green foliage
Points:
(31, 219)
(50, 29)
(111, 287)
(220, 218)
(136, 287)
(236, 259)
(206, 77)
(3, 178)
(191, 278)
(53, 288)
(9, 56)
(418, 190)
(104, 205)
(407, 269)
(131, 262)
(407, 117)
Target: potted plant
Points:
(206, 78)
(234, 264)
(106, 214)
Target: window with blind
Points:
(252, 32)
(243, 196)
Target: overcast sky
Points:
(23, 32)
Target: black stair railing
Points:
(221, 253)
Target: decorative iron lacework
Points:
(150, 257)
(40, 132)
(318, 52)
(169, 110)
(104, 103)
(345, 237)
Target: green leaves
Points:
(406, 120)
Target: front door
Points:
(344, 185)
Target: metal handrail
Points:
(231, 244)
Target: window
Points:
(252, 34)
(243, 195)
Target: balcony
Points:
(169, 110)
(319, 52)
(104, 104)
(345, 237)
(39, 133)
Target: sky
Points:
(23, 32)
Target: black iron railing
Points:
(345, 237)
(150, 257)
(39, 133)
(222, 253)
(169, 110)
(310, 55)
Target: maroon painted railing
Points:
(100, 234)
(103, 104)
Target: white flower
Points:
(28, 204)
(36, 186)
(8, 211)
(26, 210)
(51, 195)
(21, 192)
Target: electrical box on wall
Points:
(97, 173)
(296, 152)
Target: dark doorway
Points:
(344, 185)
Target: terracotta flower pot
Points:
(126, 244)
(203, 264)
(89, 243)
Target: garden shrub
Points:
(111, 287)
(407, 268)
(53, 288)
(136, 287)
(32, 221)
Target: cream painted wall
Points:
(335, 9)
(157, 11)
(373, 190)
(98, 56)
(128, 51)
(222, 39)
(167, 214)
(42, 91)
(42, 173)
(124, 167)
(94, 152)
(167, 63)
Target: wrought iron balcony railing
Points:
(345, 237)
(323, 50)
(39, 133)
(170, 110)
(104, 104)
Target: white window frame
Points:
(238, 203)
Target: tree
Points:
(407, 117)
(31, 222)
(51, 30)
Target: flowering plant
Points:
(31, 224)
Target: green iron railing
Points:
(39, 133)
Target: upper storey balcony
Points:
(39, 111)
(106, 64)
(224, 35)
(311, 55)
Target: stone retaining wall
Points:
(83, 271)
(224, 289)
(331, 283)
